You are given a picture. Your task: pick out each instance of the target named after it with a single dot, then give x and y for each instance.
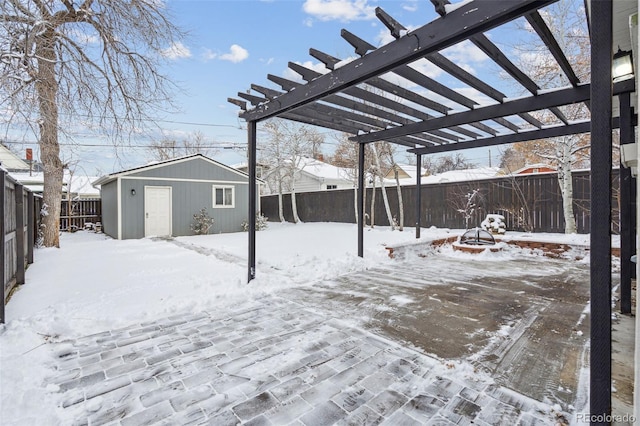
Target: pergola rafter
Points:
(359, 97)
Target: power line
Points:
(222, 145)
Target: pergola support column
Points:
(361, 189)
(601, 95)
(418, 194)
(253, 196)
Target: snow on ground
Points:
(94, 283)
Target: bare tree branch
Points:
(99, 60)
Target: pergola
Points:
(359, 98)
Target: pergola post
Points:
(253, 194)
(601, 127)
(361, 189)
(627, 217)
(418, 194)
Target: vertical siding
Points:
(108, 194)
(192, 184)
(187, 199)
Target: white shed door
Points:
(157, 211)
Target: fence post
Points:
(3, 178)
(20, 270)
(31, 224)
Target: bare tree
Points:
(566, 21)
(376, 171)
(91, 63)
(346, 156)
(288, 146)
(194, 143)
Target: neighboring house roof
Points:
(405, 171)
(462, 175)
(80, 184)
(531, 168)
(11, 161)
(322, 170)
(113, 176)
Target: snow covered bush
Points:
(44, 211)
(202, 222)
(261, 223)
(470, 206)
(494, 223)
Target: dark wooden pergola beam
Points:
(413, 75)
(375, 99)
(469, 19)
(493, 52)
(548, 100)
(540, 26)
(318, 113)
(530, 135)
(525, 136)
(472, 81)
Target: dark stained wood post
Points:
(361, 189)
(601, 127)
(31, 227)
(418, 195)
(253, 194)
(627, 218)
(20, 249)
(3, 231)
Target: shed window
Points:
(223, 196)
(332, 186)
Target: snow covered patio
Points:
(134, 332)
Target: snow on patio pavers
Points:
(271, 362)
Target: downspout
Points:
(119, 205)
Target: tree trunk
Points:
(294, 206)
(47, 89)
(355, 201)
(373, 203)
(383, 189)
(280, 203)
(566, 188)
(400, 201)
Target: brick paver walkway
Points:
(272, 362)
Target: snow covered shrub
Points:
(202, 222)
(470, 206)
(494, 223)
(44, 211)
(261, 223)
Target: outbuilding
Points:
(161, 199)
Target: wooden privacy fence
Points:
(82, 212)
(19, 224)
(528, 202)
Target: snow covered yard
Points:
(95, 284)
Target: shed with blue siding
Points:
(160, 199)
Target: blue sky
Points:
(235, 43)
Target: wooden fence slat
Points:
(18, 226)
(3, 272)
(20, 248)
